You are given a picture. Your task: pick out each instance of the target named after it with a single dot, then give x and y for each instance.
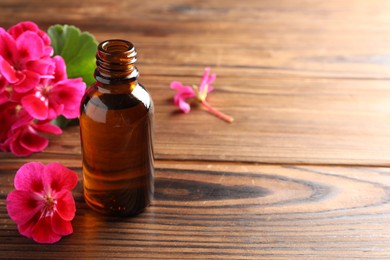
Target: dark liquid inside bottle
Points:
(116, 124)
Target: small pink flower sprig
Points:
(187, 94)
(42, 204)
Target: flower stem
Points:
(217, 113)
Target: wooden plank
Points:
(230, 211)
(312, 121)
(300, 91)
(280, 121)
(306, 82)
(338, 39)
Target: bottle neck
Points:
(115, 61)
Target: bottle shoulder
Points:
(112, 99)
(116, 109)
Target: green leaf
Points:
(78, 50)
(63, 122)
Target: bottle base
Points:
(117, 213)
(110, 205)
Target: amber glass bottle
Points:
(116, 125)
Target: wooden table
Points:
(302, 173)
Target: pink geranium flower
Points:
(18, 29)
(34, 89)
(19, 133)
(56, 95)
(22, 60)
(186, 94)
(23, 137)
(42, 204)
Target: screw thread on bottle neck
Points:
(115, 61)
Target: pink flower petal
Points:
(59, 177)
(68, 93)
(29, 46)
(184, 106)
(60, 226)
(22, 120)
(29, 177)
(22, 206)
(4, 97)
(24, 141)
(32, 141)
(27, 81)
(41, 66)
(7, 119)
(60, 69)
(48, 51)
(3, 83)
(17, 97)
(22, 27)
(7, 71)
(183, 96)
(16, 148)
(186, 92)
(183, 92)
(212, 78)
(48, 128)
(7, 46)
(55, 110)
(4, 147)
(37, 107)
(4, 94)
(43, 232)
(26, 229)
(180, 88)
(176, 85)
(207, 79)
(66, 206)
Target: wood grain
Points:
(286, 121)
(341, 38)
(308, 83)
(292, 121)
(302, 173)
(231, 211)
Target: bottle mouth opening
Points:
(115, 60)
(117, 47)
